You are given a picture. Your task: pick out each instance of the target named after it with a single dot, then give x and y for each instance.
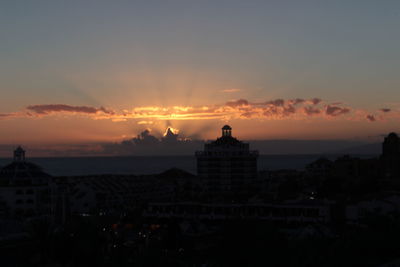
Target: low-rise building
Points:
(299, 211)
(107, 194)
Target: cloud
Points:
(6, 115)
(248, 114)
(233, 90)
(147, 144)
(371, 118)
(145, 122)
(289, 110)
(335, 110)
(385, 110)
(119, 119)
(236, 103)
(276, 102)
(311, 110)
(315, 101)
(53, 108)
(296, 101)
(276, 109)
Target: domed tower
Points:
(391, 146)
(25, 187)
(226, 131)
(227, 165)
(19, 154)
(391, 156)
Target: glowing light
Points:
(145, 122)
(173, 130)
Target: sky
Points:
(77, 73)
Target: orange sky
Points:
(311, 118)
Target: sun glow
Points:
(173, 130)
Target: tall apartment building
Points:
(227, 164)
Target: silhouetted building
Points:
(227, 164)
(322, 167)
(356, 168)
(378, 204)
(391, 156)
(287, 212)
(24, 187)
(391, 146)
(114, 194)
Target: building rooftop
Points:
(392, 135)
(21, 172)
(226, 138)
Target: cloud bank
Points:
(275, 109)
(147, 144)
(54, 108)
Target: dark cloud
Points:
(277, 102)
(311, 110)
(336, 111)
(237, 103)
(147, 144)
(315, 101)
(13, 115)
(296, 101)
(288, 110)
(248, 114)
(6, 115)
(145, 138)
(371, 118)
(272, 111)
(51, 108)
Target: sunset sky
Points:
(93, 71)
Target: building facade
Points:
(25, 190)
(305, 212)
(227, 164)
(391, 156)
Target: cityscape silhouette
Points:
(205, 133)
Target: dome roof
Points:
(393, 135)
(23, 173)
(227, 127)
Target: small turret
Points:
(226, 131)
(19, 154)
